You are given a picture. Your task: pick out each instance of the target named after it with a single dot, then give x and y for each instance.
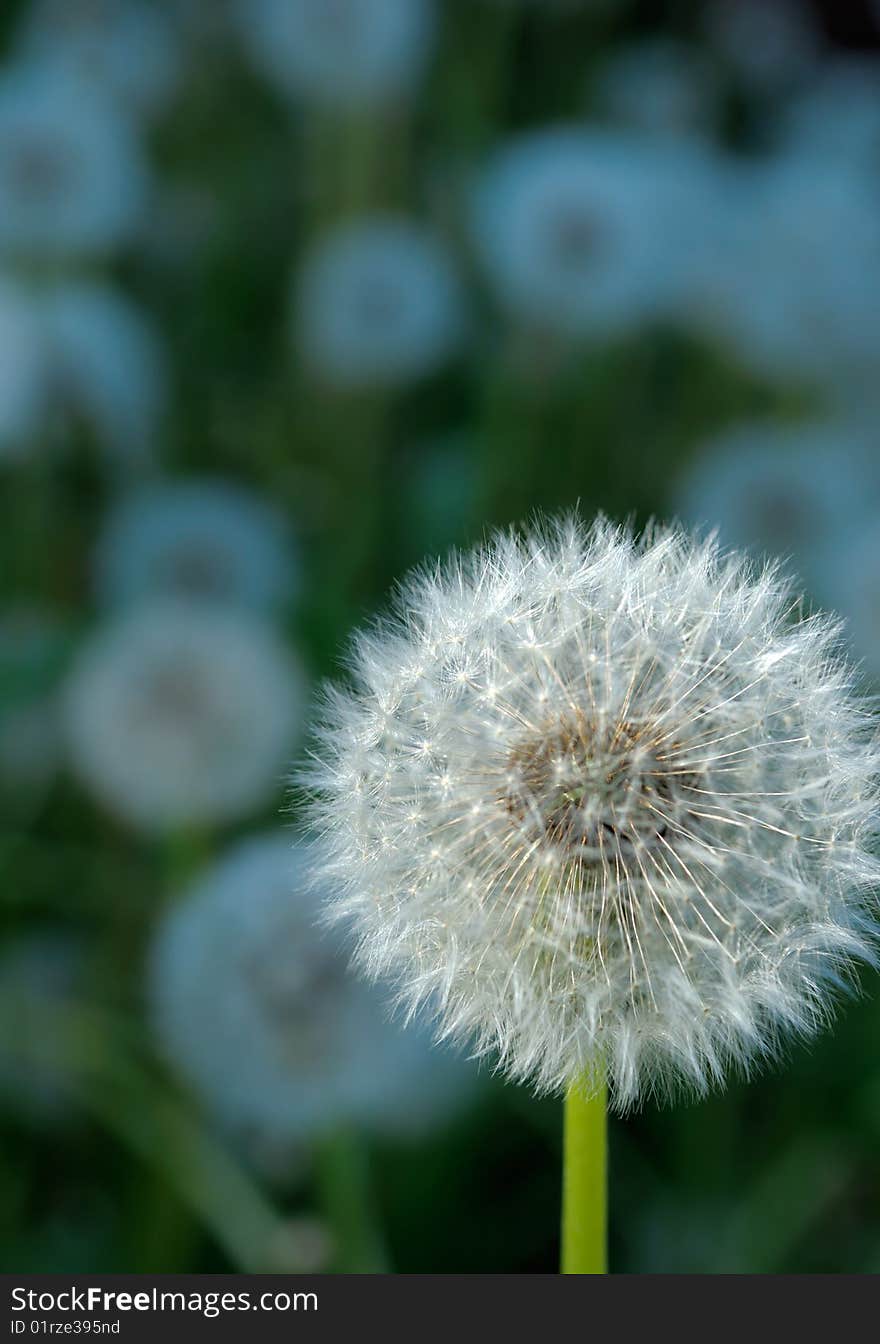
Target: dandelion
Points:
(587, 232)
(72, 179)
(240, 970)
(105, 367)
(378, 301)
(603, 801)
(202, 539)
(180, 714)
(340, 53)
(21, 370)
(789, 301)
(125, 47)
(792, 490)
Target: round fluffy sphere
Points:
(203, 539)
(606, 803)
(378, 301)
(585, 232)
(240, 971)
(128, 48)
(340, 52)
(179, 714)
(72, 179)
(106, 366)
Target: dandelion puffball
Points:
(72, 177)
(340, 53)
(240, 971)
(377, 301)
(181, 713)
(201, 538)
(604, 802)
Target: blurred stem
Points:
(343, 1178)
(128, 1102)
(584, 1180)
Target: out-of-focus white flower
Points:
(31, 655)
(340, 52)
(39, 972)
(791, 490)
(203, 539)
(838, 116)
(587, 232)
(21, 370)
(852, 581)
(180, 714)
(377, 301)
(128, 48)
(660, 86)
(770, 46)
(72, 180)
(105, 366)
(241, 972)
(795, 281)
(606, 803)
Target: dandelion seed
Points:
(607, 803)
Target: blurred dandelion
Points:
(659, 86)
(240, 971)
(180, 714)
(838, 116)
(72, 178)
(105, 367)
(340, 53)
(196, 538)
(586, 232)
(127, 48)
(793, 490)
(378, 301)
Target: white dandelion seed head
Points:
(787, 298)
(787, 490)
(105, 367)
(128, 48)
(377, 301)
(241, 970)
(603, 801)
(659, 86)
(21, 370)
(72, 178)
(340, 52)
(586, 232)
(182, 713)
(199, 539)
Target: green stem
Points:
(342, 1170)
(585, 1180)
